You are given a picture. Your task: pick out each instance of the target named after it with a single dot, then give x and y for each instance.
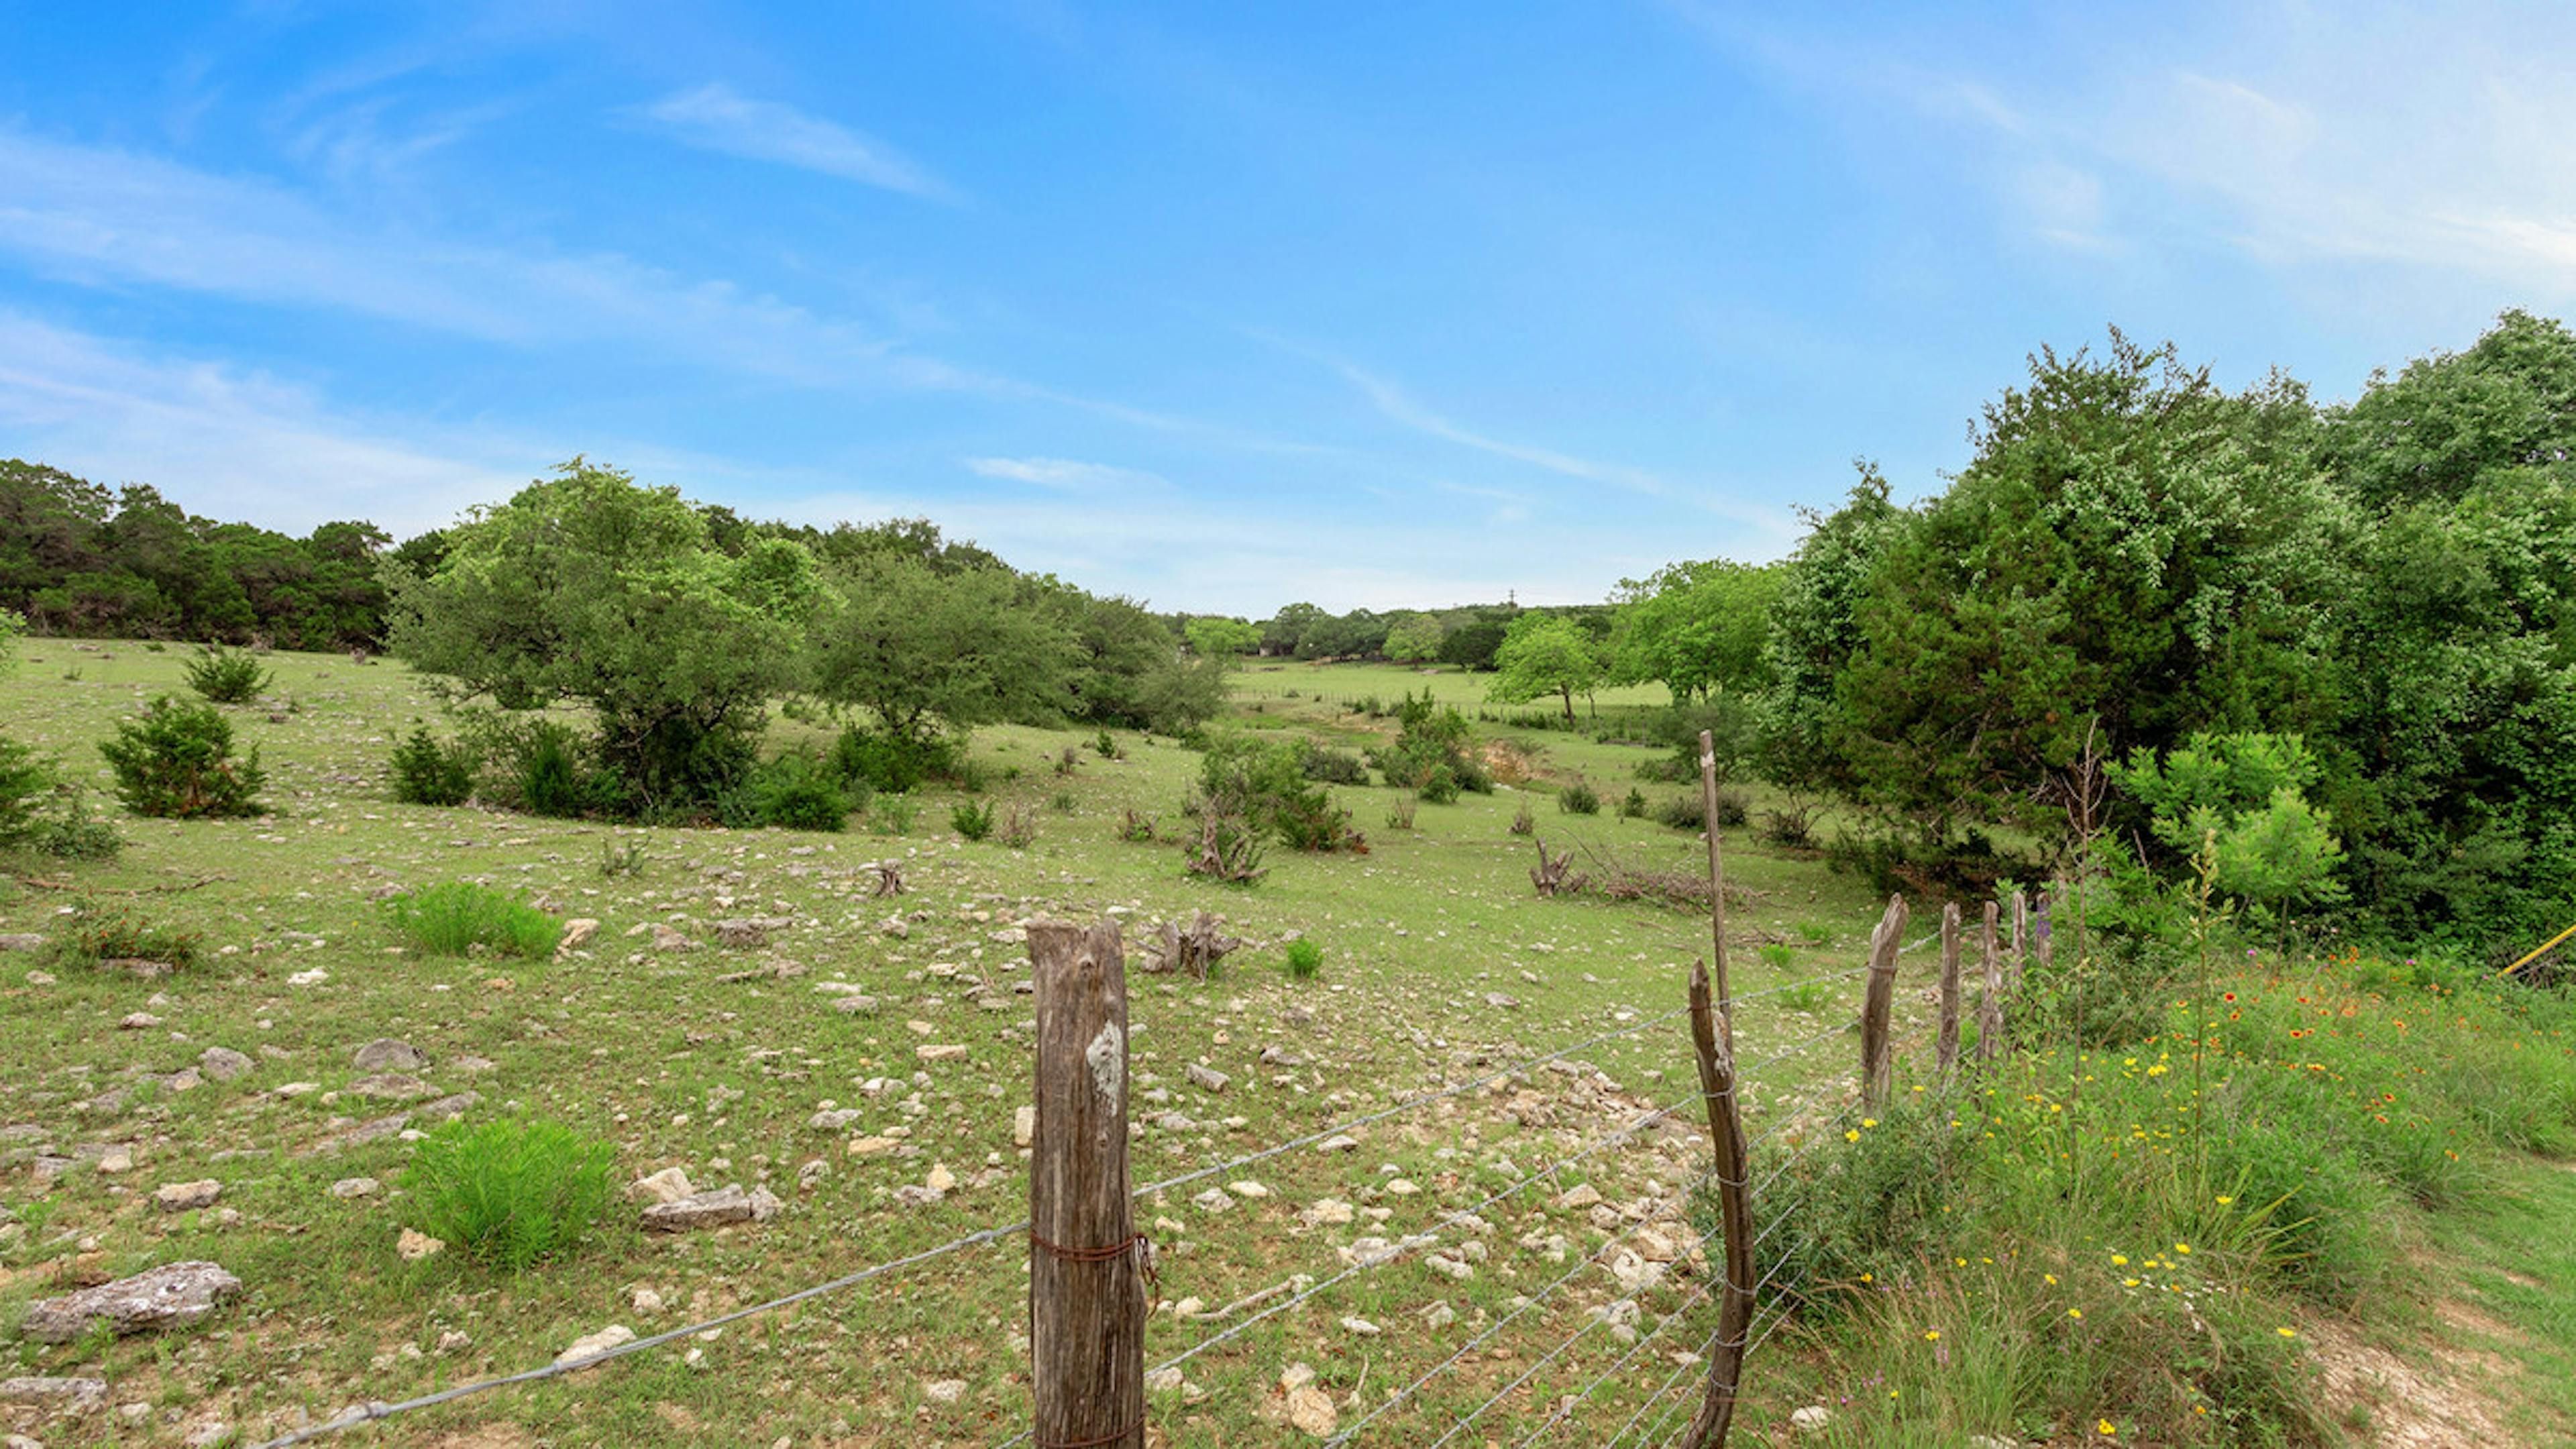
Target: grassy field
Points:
(676, 1066)
(1439, 965)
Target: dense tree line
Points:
(76, 558)
(2141, 560)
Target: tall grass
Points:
(510, 1191)
(455, 917)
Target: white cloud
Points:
(1061, 473)
(716, 118)
(102, 216)
(236, 444)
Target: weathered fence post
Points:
(2042, 939)
(1877, 1055)
(2020, 938)
(1086, 1264)
(1716, 885)
(1948, 1052)
(1990, 1009)
(1735, 1301)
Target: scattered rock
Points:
(1582, 1196)
(1213, 1200)
(138, 1021)
(356, 1187)
(667, 1186)
(385, 1054)
(941, 1180)
(748, 933)
(223, 1064)
(1361, 1326)
(940, 1053)
(21, 941)
(711, 1209)
(645, 1301)
(834, 1120)
(1329, 1212)
(182, 1197)
(915, 1195)
(167, 1297)
(1810, 1419)
(58, 1396)
(593, 1345)
(667, 939)
(446, 1107)
(1206, 1078)
(1338, 1143)
(1310, 1410)
(577, 934)
(414, 1246)
(945, 1391)
(1024, 1126)
(392, 1086)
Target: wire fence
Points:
(1815, 1112)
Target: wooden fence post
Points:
(1086, 1264)
(1735, 1302)
(1948, 1051)
(1990, 1009)
(1716, 885)
(1877, 1054)
(2020, 956)
(2042, 939)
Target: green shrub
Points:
(1579, 798)
(552, 777)
(26, 787)
(454, 917)
(72, 833)
(1690, 812)
(1019, 828)
(1634, 807)
(1430, 736)
(1399, 814)
(1264, 785)
(972, 820)
(792, 792)
(1331, 767)
(509, 1191)
(429, 773)
(1439, 786)
(890, 763)
(1062, 802)
(893, 814)
(94, 932)
(225, 677)
(1304, 958)
(1106, 746)
(177, 761)
(618, 858)
(1777, 954)
(1807, 996)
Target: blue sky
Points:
(1220, 306)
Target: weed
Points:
(95, 932)
(1523, 823)
(1808, 997)
(177, 761)
(1066, 762)
(893, 814)
(1062, 802)
(618, 858)
(972, 820)
(1634, 807)
(1304, 958)
(1019, 829)
(1105, 745)
(1399, 814)
(510, 1191)
(224, 677)
(1776, 954)
(1579, 798)
(1137, 829)
(454, 917)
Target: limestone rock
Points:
(577, 934)
(667, 939)
(1810, 1419)
(385, 1054)
(414, 1245)
(356, 1187)
(21, 941)
(667, 1186)
(172, 1296)
(595, 1344)
(223, 1064)
(1206, 1078)
(181, 1197)
(711, 1209)
(945, 1391)
(1024, 1126)
(1310, 1410)
(56, 1395)
(392, 1086)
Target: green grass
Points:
(509, 1191)
(452, 918)
(709, 1056)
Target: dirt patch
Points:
(2409, 1409)
(2476, 1320)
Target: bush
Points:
(429, 773)
(893, 814)
(1432, 736)
(792, 792)
(510, 1191)
(93, 933)
(452, 918)
(1439, 787)
(1137, 829)
(26, 785)
(1304, 958)
(1332, 767)
(1227, 850)
(1634, 807)
(1265, 786)
(1019, 829)
(972, 820)
(1778, 955)
(75, 834)
(1690, 812)
(177, 761)
(1106, 746)
(1399, 814)
(889, 763)
(224, 677)
(618, 858)
(1579, 798)
(1524, 823)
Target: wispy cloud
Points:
(236, 443)
(1399, 406)
(1060, 473)
(715, 117)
